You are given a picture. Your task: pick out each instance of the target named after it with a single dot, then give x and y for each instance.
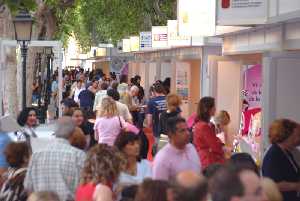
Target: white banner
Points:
(126, 45)
(174, 39)
(159, 36)
(134, 43)
(242, 12)
(196, 17)
(145, 40)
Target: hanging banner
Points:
(196, 17)
(253, 85)
(174, 39)
(145, 40)
(159, 36)
(242, 12)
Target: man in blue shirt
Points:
(156, 106)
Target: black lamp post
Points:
(23, 28)
(48, 52)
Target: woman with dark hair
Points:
(152, 190)
(279, 163)
(28, 120)
(136, 170)
(81, 121)
(208, 145)
(17, 155)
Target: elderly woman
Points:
(278, 163)
(102, 168)
(28, 120)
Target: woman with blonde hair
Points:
(270, 190)
(222, 120)
(173, 110)
(101, 169)
(109, 123)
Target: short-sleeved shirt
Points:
(280, 166)
(164, 118)
(86, 99)
(143, 171)
(170, 161)
(4, 140)
(156, 106)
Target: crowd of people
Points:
(102, 150)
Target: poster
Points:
(253, 85)
(242, 12)
(134, 43)
(145, 40)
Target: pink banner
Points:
(253, 85)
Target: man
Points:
(156, 106)
(137, 83)
(102, 93)
(178, 155)
(68, 106)
(231, 185)
(122, 108)
(189, 186)
(87, 97)
(57, 166)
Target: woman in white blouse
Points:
(136, 170)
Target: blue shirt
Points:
(86, 98)
(156, 106)
(4, 140)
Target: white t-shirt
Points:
(143, 171)
(76, 94)
(123, 111)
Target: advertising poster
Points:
(242, 12)
(126, 45)
(159, 36)
(134, 43)
(253, 85)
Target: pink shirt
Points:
(170, 161)
(108, 129)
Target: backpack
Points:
(13, 189)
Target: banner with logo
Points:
(159, 36)
(242, 12)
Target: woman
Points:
(152, 190)
(17, 156)
(136, 170)
(109, 124)
(278, 163)
(222, 121)
(208, 145)
(102, 168)
(87, 127)
(173, 103)
(78, 139)
(28, 120)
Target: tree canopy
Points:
(96, 21)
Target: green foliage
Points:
(98, 21)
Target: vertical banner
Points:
(145, 40)
(159, 36)
(134, 43)
(253, 85)
(183, 78)
(126, 45)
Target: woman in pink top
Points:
(108, 124)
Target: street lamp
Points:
(23, 28)
(48, 52)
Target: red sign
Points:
(225, 3)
